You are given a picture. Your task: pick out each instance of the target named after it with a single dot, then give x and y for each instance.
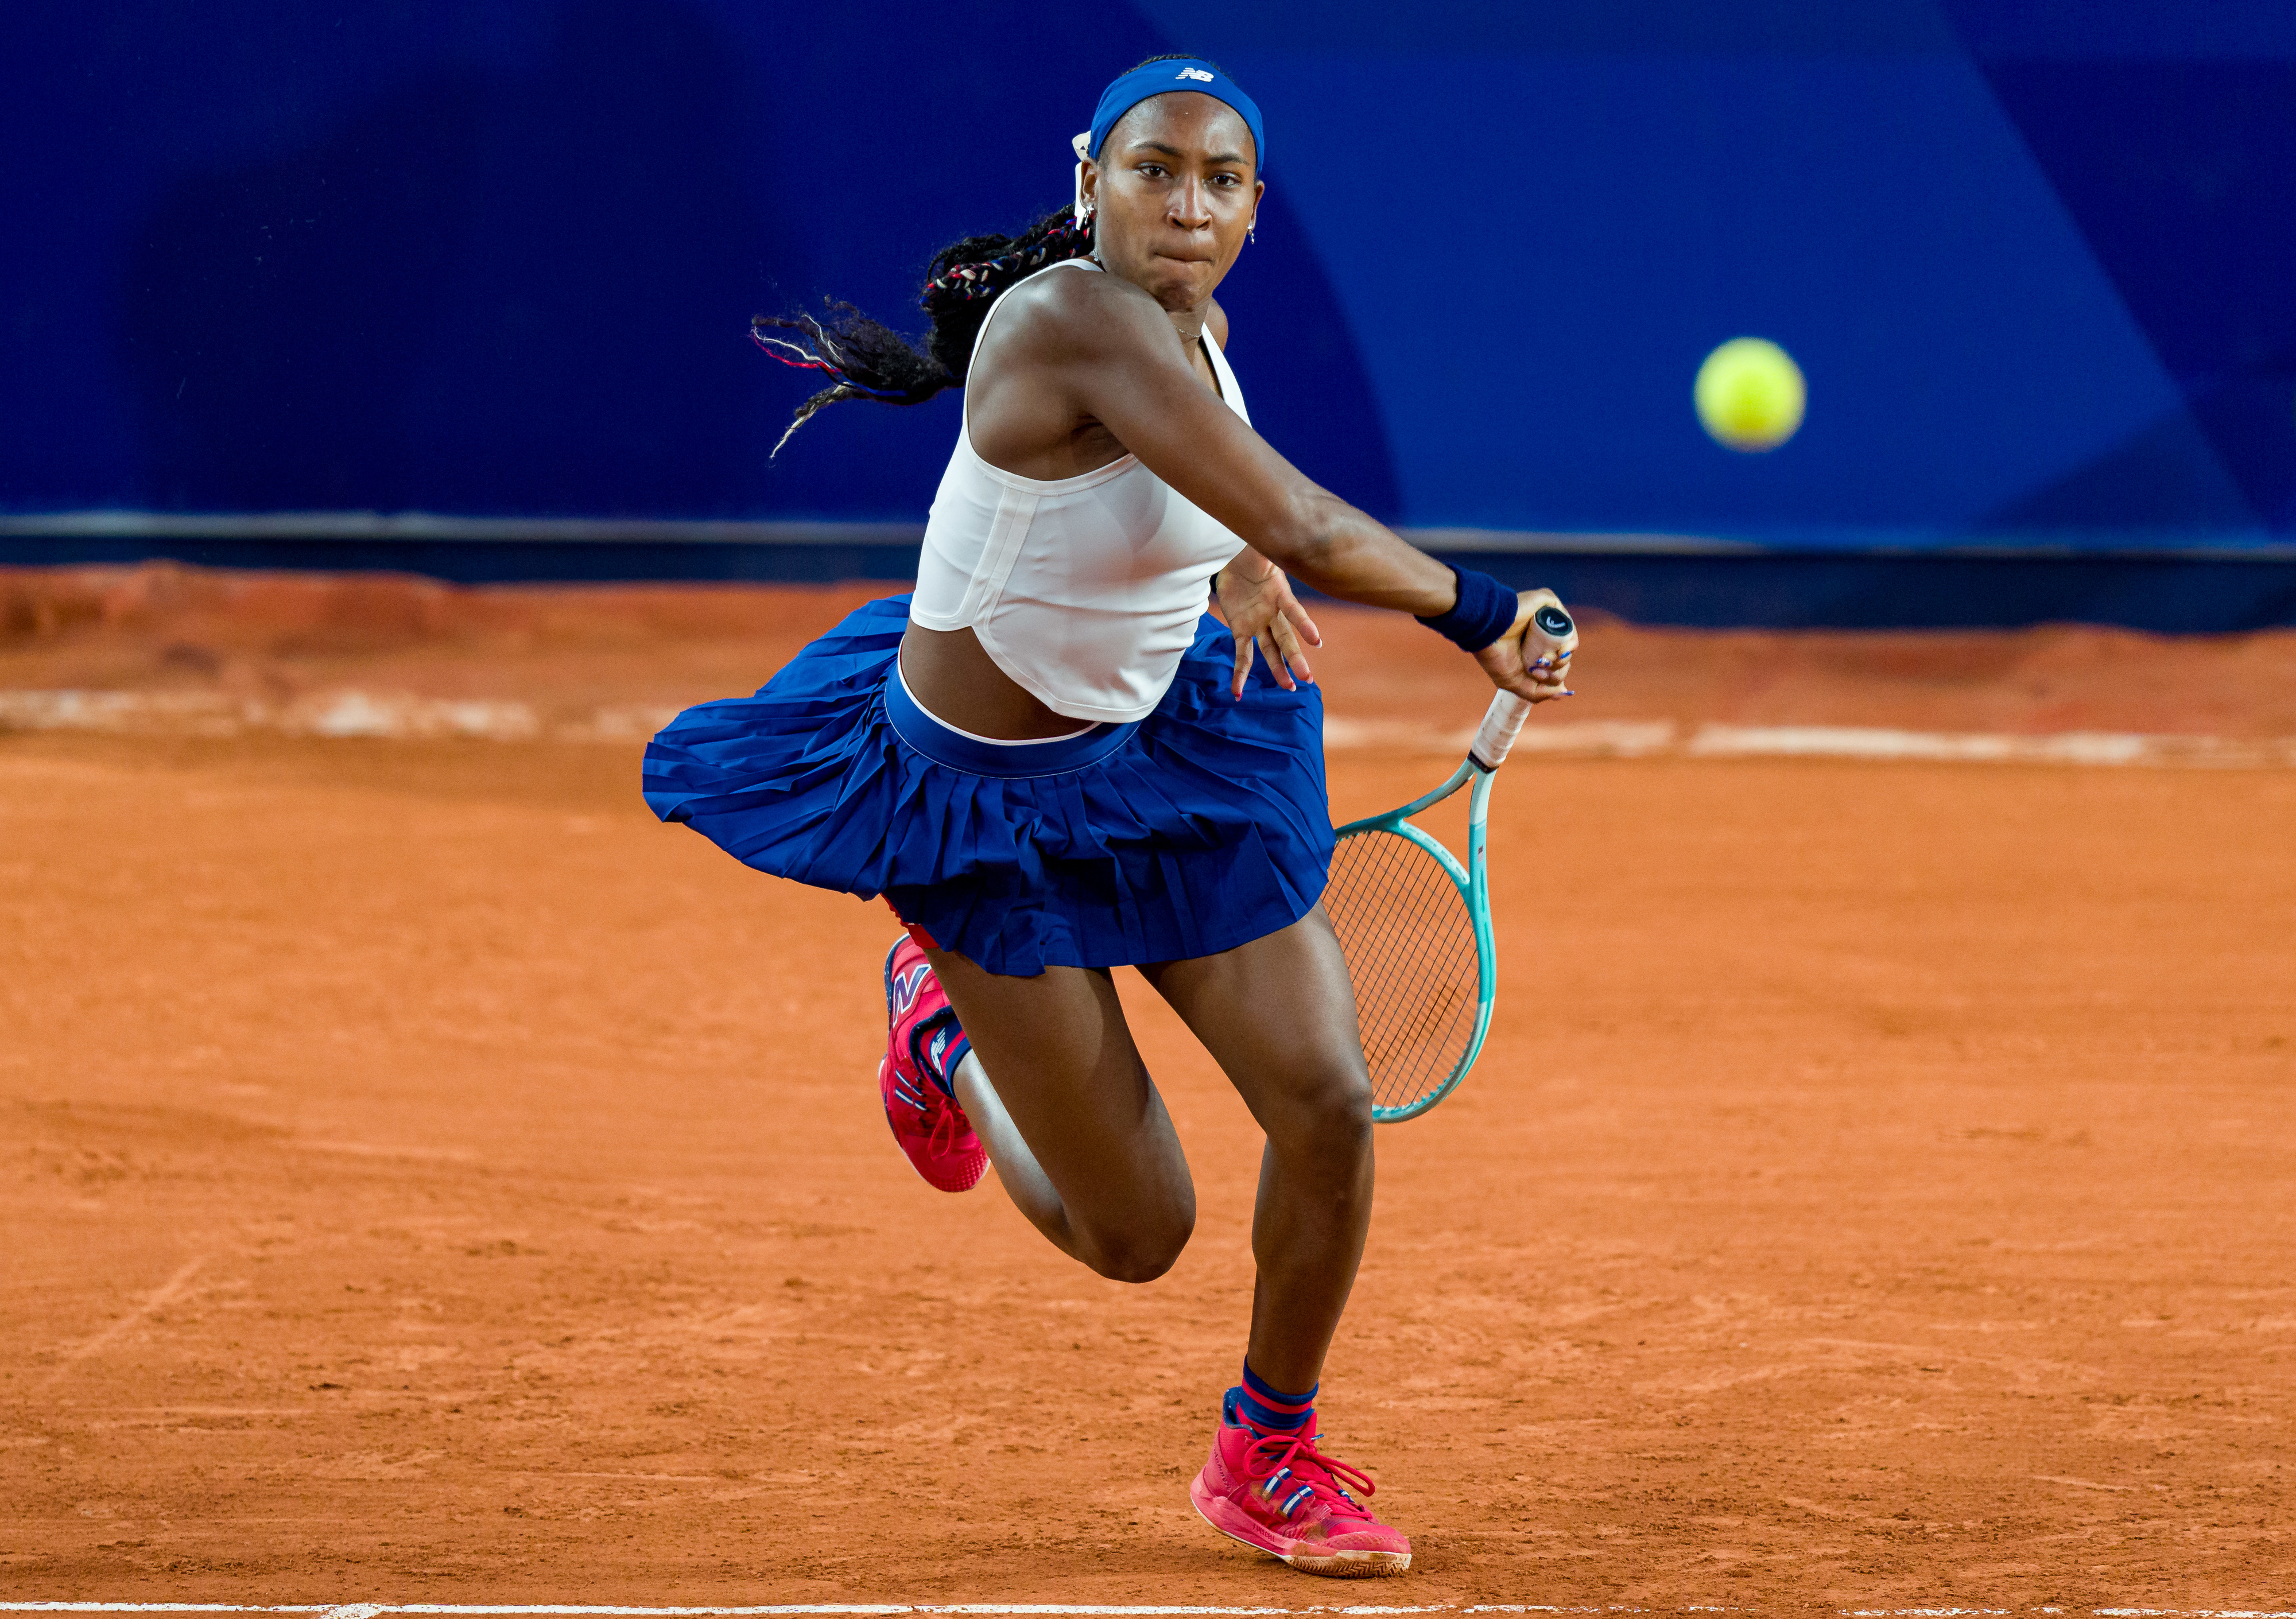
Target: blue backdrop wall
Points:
(498, 257)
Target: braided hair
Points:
(863, 359)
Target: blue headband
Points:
(1163, 78)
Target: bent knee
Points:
(1329, 1115)
(1142, 1252)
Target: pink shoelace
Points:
(1273, 1451)
(949, 1125)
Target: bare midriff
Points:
(951, 673)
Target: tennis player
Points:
(1053, 762)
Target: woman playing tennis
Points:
(1053, 762)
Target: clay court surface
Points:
(429, 1179)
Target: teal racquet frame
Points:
(1495, 738)
(1473, 883)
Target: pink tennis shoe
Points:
(1275, 1491)
(923, 1041)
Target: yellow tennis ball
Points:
(1750, 395)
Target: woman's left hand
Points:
(1256, 600)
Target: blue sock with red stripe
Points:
(1266, 1406)
(942, 1044)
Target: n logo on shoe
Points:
(908, 984)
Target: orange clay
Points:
(428, 1179)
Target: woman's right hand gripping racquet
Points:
(1416, 926)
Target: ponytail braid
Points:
(864, 360)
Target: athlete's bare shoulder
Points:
(1215, 323)
(1082, 314)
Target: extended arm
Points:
(1115, 356)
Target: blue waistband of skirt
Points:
(1013, 761)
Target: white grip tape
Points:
(1502, 724)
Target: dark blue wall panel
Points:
(498, 257)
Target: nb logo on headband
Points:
(1194, 73)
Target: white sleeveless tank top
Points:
(1085, 590)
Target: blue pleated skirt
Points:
(1198, 829)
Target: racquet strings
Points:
(1410, 946)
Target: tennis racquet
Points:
(1415, 925)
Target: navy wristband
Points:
(1485, 612)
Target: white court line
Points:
(404, 715)
(1663, 738)
(805, 1610)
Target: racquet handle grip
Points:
(1502, 724)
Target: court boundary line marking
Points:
(1099, 1610)
(396, 716)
